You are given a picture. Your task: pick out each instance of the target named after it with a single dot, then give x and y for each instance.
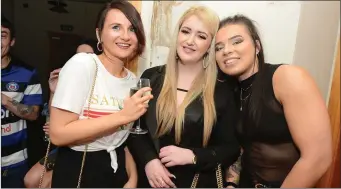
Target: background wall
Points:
(277, 23)
(316, 41)
(303, 33)
(33, 23)
(7, 9)
(292, 32)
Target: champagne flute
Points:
(140, 84)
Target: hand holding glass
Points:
(140, 84)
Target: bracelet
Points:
(194, 160)
(231, 184)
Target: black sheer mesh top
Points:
(269, 150)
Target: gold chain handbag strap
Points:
(218, 175)
(44, 165)
(86, 146)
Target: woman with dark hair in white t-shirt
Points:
(87, 118)
(33, 176)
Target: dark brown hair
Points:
(257, 98)
(7, 24)
(132, 15)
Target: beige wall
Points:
(317, 34)
(303, 33)
(333, 67)
(277, 22)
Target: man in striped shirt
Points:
(21, 96)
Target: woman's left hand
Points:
(172, 155)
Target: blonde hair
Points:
(167, 113)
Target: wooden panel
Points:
(332, 176)
(132, 65)
(336, 183)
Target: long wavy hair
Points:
(167, 113)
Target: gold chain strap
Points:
(218, 175)
(195, 180)
(86, 146)
(44, 166)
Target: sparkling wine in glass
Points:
(140, 84)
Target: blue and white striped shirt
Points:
(20, 83)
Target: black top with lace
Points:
(269, 150)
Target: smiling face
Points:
(236, 50)
(118, 35)
(193, 40)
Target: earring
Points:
(98, 46)
(204, 65)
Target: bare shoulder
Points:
(291, 80)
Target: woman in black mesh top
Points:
(284, 127)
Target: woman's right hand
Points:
(135, 106)
(46, 128)
(158, 175)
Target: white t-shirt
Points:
(73, 90)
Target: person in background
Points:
(21, 96)
(284, 126)
(92, 151)
(87, 46)
(193, 114)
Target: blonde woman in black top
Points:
(192, 117)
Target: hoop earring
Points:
(98, 45)
(204, 65)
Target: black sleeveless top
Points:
(269, 150)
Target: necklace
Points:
(241, 96)
(247, 88)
